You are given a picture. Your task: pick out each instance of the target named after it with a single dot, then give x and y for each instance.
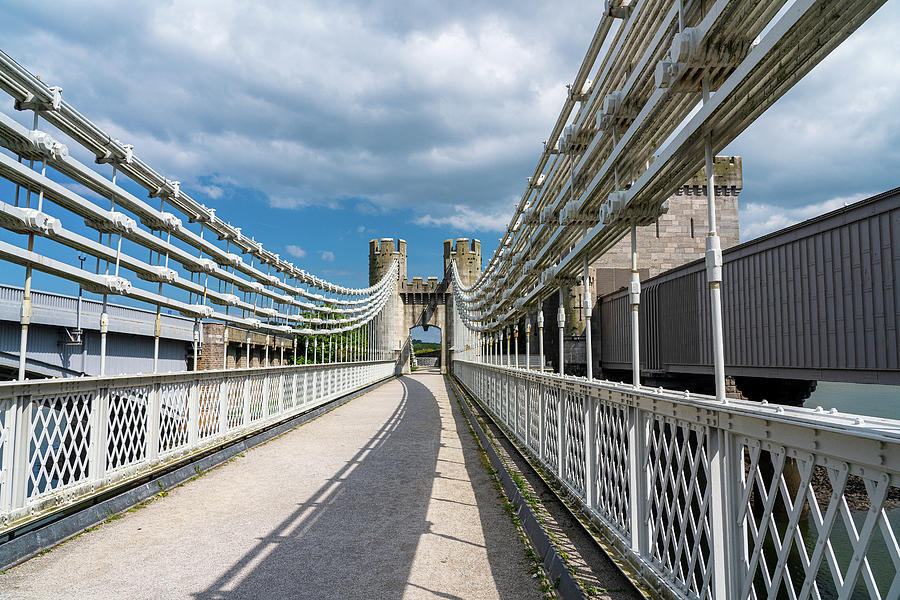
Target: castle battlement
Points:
(728, 178)
(419, 286)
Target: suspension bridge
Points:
(663, 415)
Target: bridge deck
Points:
(385, 497)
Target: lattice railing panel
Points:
(551, 399)
(173, 415)
(59, 449)
(210, 395)
(574, 438)
(679, 496)
(317, 384)
(302, 391)
(274, 396)
(127, 418)
(813, 528)
(234, 398)
(257, 396)
(612, 485)
(534, 426)
(521, 403)
(287, 392)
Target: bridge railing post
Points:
(15, 455)
(9, 412)
(638, 474)
(725, 475)
(153, 424)
(99, 435)
(194, 413)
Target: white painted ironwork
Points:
(662, 86)
(64, 440)
(732, 500)
(186, 269)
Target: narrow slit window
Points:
(692, 226)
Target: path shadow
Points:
(356, 537)
(501, 538)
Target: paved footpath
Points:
(384, 497)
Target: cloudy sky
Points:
(318, 126)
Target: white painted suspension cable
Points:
(565, 247)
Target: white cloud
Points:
(758, 219)
(213, 191)
(327, 255)
(466, 219)
(833, 133)
(295, 251)
(361, 229)
(438, 112)
(314, 103)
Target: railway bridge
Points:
(582, 440)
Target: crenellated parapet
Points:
(728, 178)
(419, 286)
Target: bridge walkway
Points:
(384, 497)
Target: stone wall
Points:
(381, 253)
(226, 347)
(212, 352)
(679, 236)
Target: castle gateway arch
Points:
(418, 301)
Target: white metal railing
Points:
(63, 440)
(709, 499)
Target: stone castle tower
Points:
(381, 253)
(468, 258)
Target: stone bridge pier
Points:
(424, 302)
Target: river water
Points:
(871, 400)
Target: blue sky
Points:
(318, 126)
